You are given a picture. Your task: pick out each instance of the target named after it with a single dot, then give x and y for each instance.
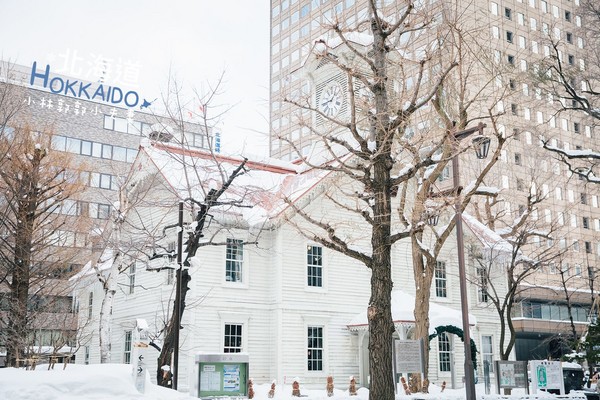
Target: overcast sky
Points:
(196, 39)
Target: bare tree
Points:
(503, 269)
(37, 247)
(387, 149)
(577, 88)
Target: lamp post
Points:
(482, 146)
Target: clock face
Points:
(331, 99)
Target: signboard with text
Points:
(511, 374)
(409, 356)
(546, 375)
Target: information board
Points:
(511, 374)
(409, 356)
(546, 375)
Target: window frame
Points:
(314, 267)
(237, 336)
(234, 267)
(315, 348)
(127, 347)
(131, 277)
(441, 280)
(487, 353)
(444, 352)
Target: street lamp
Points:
(482, 146)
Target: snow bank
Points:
(115, 382)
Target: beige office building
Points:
(514, 32)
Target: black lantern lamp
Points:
(482, 146)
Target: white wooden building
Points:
(267, 299)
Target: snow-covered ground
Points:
(115, 382)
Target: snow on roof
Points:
(556, 288)
(403, 306)
(264, 186)
(104, 263)
(490, 239)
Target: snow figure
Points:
(405, 386)
(296, 388)
(413, 383)
(166, 371)
(250, 389)
(329, 386)
(272, 391)
(443, 386)
(352, 388)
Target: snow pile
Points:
(81, 382)
(115, 382)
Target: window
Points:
(124, 125)
(127, 352)
(568, 15)
(577, 127)
(232, 338)
(513, 109)
(482, 290)
(444, 350)
(583, 198)
(93, 149)
(86, 359)
(569, 38)
(105, 181)
(304, 10)
(487, 351)
(440, 279)
(518, 160)
(520, 184)
(131, 275)
(445, 174)
(511, 59)
(90, 304)
(86, 148)
(315, 348)
(119, 153)
(571, 59)
(107, 151)
(585, 222)
(509, 36)
(588, 247)
(508, 13)
(234, 259)
(494, 8)
(314, 262)
(100, 211)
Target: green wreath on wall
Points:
(458, 332)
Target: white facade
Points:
(274, 304)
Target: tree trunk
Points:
(104, 328)
(379, 313)
(169, 343)
(18, 319)
(423, 279)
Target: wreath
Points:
(458, 332)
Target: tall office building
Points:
(101, 126)
(517, 34)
